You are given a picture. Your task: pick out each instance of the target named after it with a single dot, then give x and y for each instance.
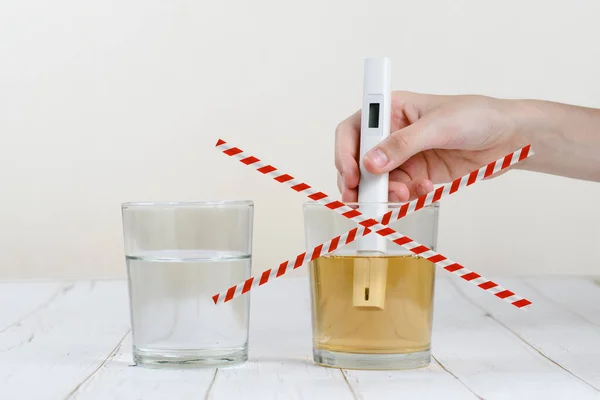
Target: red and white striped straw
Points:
(293, 263)
(368, 224)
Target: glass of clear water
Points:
(178, 256)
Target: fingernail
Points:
(393, 198)
(421, 190)
(378, 157)
(343, 182)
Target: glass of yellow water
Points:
(371, 310)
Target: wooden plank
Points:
(569, 341)
(579, 295)
(19, 299)
(432, 382)
(280, 379)
(52, 350)
(490, 359)
(119, 379)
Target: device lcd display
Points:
(373, 115)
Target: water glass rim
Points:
(206, 203)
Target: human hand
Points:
(434, 139)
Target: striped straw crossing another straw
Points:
(379, 226)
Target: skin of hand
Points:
(436, 138)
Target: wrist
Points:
(530, 122)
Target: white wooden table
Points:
(72, 340)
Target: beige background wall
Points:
(110, 101)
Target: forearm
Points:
(566, 138)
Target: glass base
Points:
(189, 358)
(363, 361)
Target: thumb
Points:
(398, 147)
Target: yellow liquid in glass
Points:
(402, 326)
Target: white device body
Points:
(375, 127)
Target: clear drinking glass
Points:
(371, 311)
(178, 256)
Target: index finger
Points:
(347, 142)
